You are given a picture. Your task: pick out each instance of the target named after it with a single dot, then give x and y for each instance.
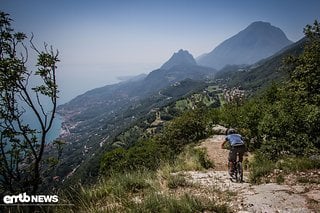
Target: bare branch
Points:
(32, 45)
(25, 57)
(41, 107)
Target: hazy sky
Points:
(100, 40)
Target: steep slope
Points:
(263, 72)
(180, 66)
(259, 40)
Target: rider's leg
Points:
(232, 159)
(230, 167)
(241, 150)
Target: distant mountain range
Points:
(111, 100)
(180, 66)
(259, 40)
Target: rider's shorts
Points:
(233, 153)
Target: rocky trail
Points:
(271, 197)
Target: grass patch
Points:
(308, 180)
(115, 190)
(147, 190)
(261, 167)
(135, 182)
(178, 180)
(186, 203)
(135, 192)
(291, 164)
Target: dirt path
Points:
(216, 154)
(270, 197)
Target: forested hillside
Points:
(150, 116)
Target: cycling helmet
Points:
(231, 131)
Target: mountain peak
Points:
(259, 23)
(257, 41)
(182, 57)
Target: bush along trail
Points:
(281, 192)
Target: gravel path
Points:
(269, 197)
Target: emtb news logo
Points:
(24, 198)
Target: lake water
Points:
(54, 131)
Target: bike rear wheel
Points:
(239, 172)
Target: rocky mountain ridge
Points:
(259, 40)
(182, 57)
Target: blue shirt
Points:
(235, 140)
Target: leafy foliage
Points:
(204, 159)
(143, 155)
(188, 128)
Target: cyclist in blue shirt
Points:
(237, 146)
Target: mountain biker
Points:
(237, 146)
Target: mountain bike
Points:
(237, 174)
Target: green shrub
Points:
(113, 161)
(203, 158)
(186, 129)
(143, 155)
(191, 159)
(114, 191)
